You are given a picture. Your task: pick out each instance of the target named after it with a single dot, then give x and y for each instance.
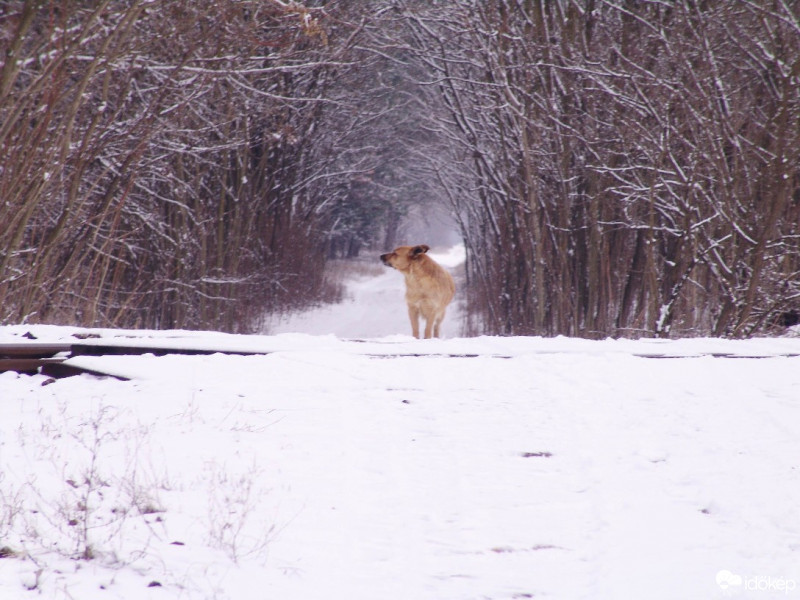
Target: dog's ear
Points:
(417, 250)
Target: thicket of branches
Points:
(159, 159)
(621, 168)
(616, 168)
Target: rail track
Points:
(53, 358)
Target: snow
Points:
(339, 465)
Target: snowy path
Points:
(374, 306)
(393, 468)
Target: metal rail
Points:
(32, 357)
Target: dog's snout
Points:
(385, 259)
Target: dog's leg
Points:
(430, 319)
(413, 315)
(437, 323)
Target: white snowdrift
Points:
(396, 468)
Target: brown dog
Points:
(429, 288)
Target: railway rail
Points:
(53, 358)
(50, 358)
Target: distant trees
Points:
(616, 168)
(621, 168)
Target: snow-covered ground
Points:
(390, 468)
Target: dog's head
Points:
(401, 258)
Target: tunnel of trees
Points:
(626, 168)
